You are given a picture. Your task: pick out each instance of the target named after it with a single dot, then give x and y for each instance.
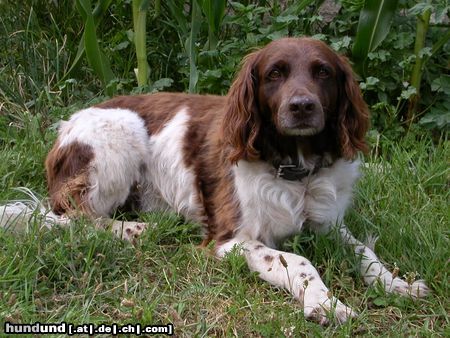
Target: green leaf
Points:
(426, 51)
(441, 10)
(438, 117)
(89, 45)
(342, 43)
(100, 9)
(286, 18)
(176, 10)
(373, 26)
(98, 12)
(139, 8)
(420, 8)
(408, 92)
(97, 60)
(278, 34)
(144, 6)
(441, 84)
(296, 6)
(370, 83)
(160, 84)
(379, 301)
(214, 11)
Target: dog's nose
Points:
(303, 105)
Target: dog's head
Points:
(298, 86)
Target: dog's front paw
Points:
(328, 311)
(320, 306)
(132, 230)
(417, 289)
(128, 231)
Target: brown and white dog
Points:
(278, 153)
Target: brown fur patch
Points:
(67, 177)
(158, 109)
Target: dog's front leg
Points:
(373, 270)
(294, 273)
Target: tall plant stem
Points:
(423, 21)
(139, 22)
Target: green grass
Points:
(80, 274)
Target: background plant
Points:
(197, 46)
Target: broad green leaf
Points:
(441, 84)
(286, 18)
(420, 8)
(214, 11)
(296, 7)
(97, 60)
(408, 92)
(160, 84)
(84, 9)
(140, 8)
(100, 9)
(438, 117)
(373, 26)
(176, 9)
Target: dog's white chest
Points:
(273, 208)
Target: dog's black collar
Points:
(292, 170)
(295, 172)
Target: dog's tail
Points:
(18, 215)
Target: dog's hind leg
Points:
(18, 215)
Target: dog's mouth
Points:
(300, 131)
(295, 126)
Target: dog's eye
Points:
(274, 74)
(323, 72)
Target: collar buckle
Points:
(292, 172)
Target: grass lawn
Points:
(82, 275)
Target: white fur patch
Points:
(126, 156)
(273, 208)
(329, 192)
(168, 174)
(120, 144)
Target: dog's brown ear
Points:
(353, 115)
(241, 124)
